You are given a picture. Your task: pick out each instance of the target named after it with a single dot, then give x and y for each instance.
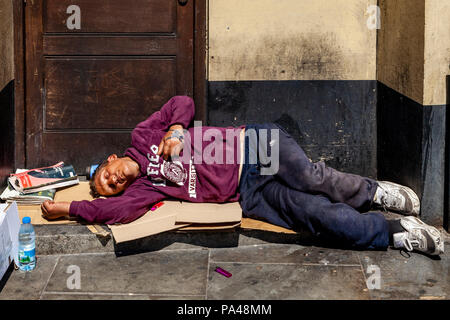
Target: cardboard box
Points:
(9, 239)
(177, 214)
(201, 227)
(205, 213)
(152, 222)
(173, 215)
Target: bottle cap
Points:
(26, 220)
(90, 170)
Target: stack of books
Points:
(9, 195)
(29, 187)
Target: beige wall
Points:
(437, 51)
(400, 58)
(291, 40)
(6, 43)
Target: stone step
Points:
(75, 239)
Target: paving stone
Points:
(286, 253)
(166, 272)
(286, 281)
(407, 276)
(29, 285)
(68, 296)
(68, 239)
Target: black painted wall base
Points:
(362, 127)
(6, 132)
(336, 119)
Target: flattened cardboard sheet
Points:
(151, 223)
(173, 215)
(203, 213)
(248, 223)
(73, 193)
(229, 226)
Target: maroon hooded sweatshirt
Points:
(209, 172)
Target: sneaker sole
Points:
(416, 204)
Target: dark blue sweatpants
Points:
(304, 194)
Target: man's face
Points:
(114, 177)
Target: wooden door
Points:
(94, 69)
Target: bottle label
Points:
(26, 256)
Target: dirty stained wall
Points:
(291, 40)
(400, 56)
(6, 43)
(437, 51)
(310, 63)
(413, 58)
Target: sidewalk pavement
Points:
(179, 266)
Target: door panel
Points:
(113, 16)
(76, 145)
(104, 93)
(87, 88)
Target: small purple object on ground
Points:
(223, 272)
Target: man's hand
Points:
(53, 210)
(170, 144)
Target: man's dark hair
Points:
(94, 191)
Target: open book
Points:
(40, 179)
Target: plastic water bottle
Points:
(27, 255)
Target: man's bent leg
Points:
(299, 173)
(337, 221)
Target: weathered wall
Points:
(400, 56)
(313, 62)
(6, 43)
(291, 40)
(413, 55)
(437, 51)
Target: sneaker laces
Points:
(389, 200)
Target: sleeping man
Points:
(259, 165)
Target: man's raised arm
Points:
(178, 110)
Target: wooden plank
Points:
(19, 84)
(185, 57)
(111, 45)
(82, 148)
(200, 64)
(34, 83)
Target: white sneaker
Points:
(398, 198)
(419, 236)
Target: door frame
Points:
(200, 73)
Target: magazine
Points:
(10, 194)
(40, 179)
